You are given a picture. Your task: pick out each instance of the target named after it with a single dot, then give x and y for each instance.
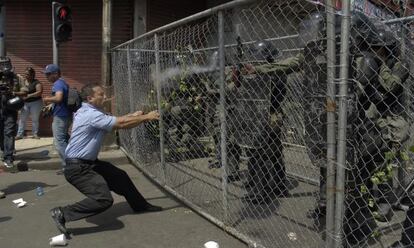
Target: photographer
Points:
(10, 103)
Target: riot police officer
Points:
(312, 32)
(380, 127)
(264, 80)
(10, 103)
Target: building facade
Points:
(28, 34)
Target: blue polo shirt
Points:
(88, 130)
(61, 109)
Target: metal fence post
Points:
(222, 113)
(342, 124)
(131, 99)
(161, 123)
(330, 135)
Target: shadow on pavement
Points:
(105, 221)
(36, 156)
(108, 220)
(32, 148)
(6, 218)
(25, 186)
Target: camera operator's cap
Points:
(52, 68)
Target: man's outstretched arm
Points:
(135, 119)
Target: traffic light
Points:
(62, 22)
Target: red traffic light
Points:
(62, 22)
(63, 13)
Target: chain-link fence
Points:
(274, 125)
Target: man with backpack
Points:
(62, 115)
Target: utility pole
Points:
(106, 49)
(2, 29)
(110, 140)
(55, 43)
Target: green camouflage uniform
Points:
(380, 128)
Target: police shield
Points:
(252, 109)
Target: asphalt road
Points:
(32, 226)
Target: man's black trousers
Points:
(95, 180)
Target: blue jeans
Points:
(60, 128)
(33, 109)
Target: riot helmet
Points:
(366, 68)
(384, 38)
(312, 28)
(362, 29)
(264, 51)
(138, 58)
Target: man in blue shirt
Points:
(61, 114)
(92, 177)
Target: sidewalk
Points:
(32, 226)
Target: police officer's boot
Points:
(256, 193)
(276, 181)
(253, 168)
(233, 163)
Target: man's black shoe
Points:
(149, 208)
(398, 244)
(59, 219)
(152, 208)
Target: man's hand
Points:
(153, 115)
(46, 100)
(137, 113)
(48, 107)
(135, 119)
(47, 110)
